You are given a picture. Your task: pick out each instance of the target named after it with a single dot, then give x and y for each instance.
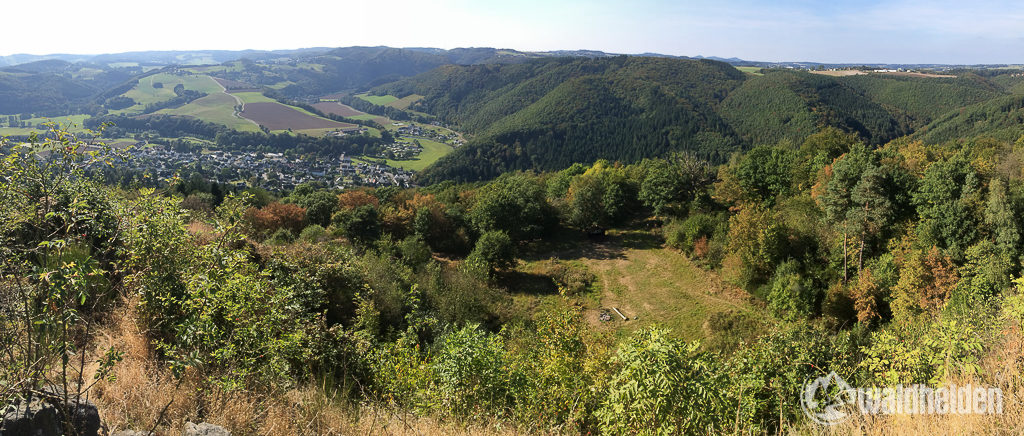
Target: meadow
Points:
(432, 151)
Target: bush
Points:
(313, 233)
(469, 369)
(494, 251)
(791, 295)
(414, 251)
(663, 386)
(281, 237)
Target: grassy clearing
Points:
(648, 283)
(432, 151)
(253, 97)
(381, 100)
(750, 70)
(73, 121)
(214, 108)
(145, 93)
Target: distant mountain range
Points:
(461, 56)
(547, 110)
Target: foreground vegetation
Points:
(461, 306)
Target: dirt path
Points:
(241, 104)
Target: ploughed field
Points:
(276, 116)
(331, 107)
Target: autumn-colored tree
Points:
(276, 216)
(355, 198)
(866, 296)
(926, 281)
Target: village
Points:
(271, 171)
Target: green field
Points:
(253, 97)
(750, 70)
(72, 121)
(380, 100)
(215, 108)
(145, 93)
(432, 151)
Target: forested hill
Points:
(549, 113)
(55, 87)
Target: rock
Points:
(32, 417)
(41, 416)
(132, 433)
(205, 429)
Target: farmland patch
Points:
(276, 116)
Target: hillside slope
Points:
(548, 114)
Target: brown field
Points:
(337, 109)
(404, 102)
(840, 73)
(276, 116)
(234, 85)
(907, 74)
(843, 73)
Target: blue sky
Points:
(909, 31)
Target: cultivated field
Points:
(390, 100)
(215, 108)
(840, 73)
(337, 109)
(844, 73)
(404, 102)
(276, 116)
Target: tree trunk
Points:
(845, 257)
(860, 261)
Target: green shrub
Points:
(469, 372)
(663, 386)
(313, 233)
(494, 251)
(414, 251)
(281, 237)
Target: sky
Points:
(833, 31)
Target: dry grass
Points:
(1001, 367)
(144, 391)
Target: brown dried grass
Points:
(144, 391)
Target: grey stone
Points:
(205, 429)
(41, 416)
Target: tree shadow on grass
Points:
(526, 283)
(572, 244)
